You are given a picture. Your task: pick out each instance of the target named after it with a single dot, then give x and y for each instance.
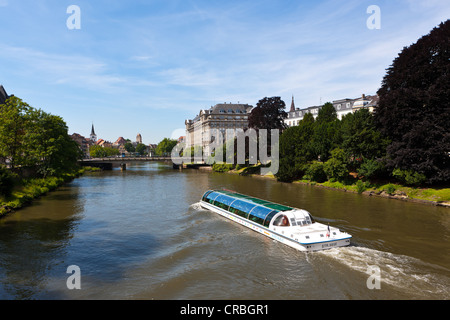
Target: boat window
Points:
(269, 218)
(242, 208)
(281, 221)
(211, 196)
(204, 198)
(293, 222)
(223, 201)
(259, 214)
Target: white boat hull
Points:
(287, 239)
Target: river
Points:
(140, 234)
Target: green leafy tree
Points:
(336, 167)
(165, 147)
(360, 137)
(141, 148)
(129, 147)
(12, 130)
(327, 135)
(414, 111)
(97, 151)
(48, 145)
(295, 150)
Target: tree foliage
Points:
(329, 148)
(141, 148)
(414, 107)
(268, 114)
(296, 150)
(97, 151)
(33, 138)
(165, 146)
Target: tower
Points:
(139, 138)
(93, 136)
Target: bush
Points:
(336, 167)
(389, 188)
(360, 186)
(315, 172)
(369, 168)
(335, 170)
(222, 167)
(409, 177)
(6, 181)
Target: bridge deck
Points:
(126, 159)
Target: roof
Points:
(3, 95)
(257, 201)
(120, 140)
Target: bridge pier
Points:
(123, 166)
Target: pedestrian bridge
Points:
(108, 162)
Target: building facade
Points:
(342, 107)
(201, 130)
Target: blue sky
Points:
(146, 66)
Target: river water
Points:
(140, 234)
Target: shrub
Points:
(335, 170)
(369, 168)
(409, 177)
(336, 167)
(361, 186)
(222, 167)
(315, 172)
(389, 188)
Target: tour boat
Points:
(291, 226)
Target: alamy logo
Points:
(231, 146)
(74, 281)
(374, 21)
(374, 280)
(74, 20)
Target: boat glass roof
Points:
(254, 209)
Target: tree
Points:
(141, 148)
(327, 134)
(268, 114)
(12, 130)
(129, 146)
(327, 113)
(295, 150)
(48, 145)
(165, 146)
(360, 138)
(97, 151)
(414, 107)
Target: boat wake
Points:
(405, 273)
(196, 206)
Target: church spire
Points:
(93, 136)
(292, 105)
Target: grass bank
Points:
(29, 189)
(433, 196)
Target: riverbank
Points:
(428, 196)
(30, 189)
